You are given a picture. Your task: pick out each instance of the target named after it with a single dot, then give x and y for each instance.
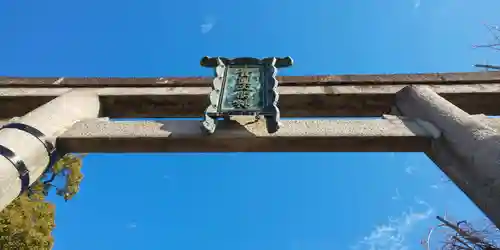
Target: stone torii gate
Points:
(442, 115)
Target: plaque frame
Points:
(268, 90)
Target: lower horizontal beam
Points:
(381, 135)
(298, 101)
(233, 136)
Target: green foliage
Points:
(27, 223)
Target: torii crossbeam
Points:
(439, 114)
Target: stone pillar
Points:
(468, 150)
(28, 152)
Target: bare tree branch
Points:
(495, 45)
(463, 236)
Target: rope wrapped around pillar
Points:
(27, 144)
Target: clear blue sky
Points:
(249, 201)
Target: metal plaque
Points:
(243, 91)
(244, 87)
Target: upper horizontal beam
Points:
(298, 101)
(318, 80)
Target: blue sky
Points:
(249, 201)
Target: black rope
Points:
(17, 162)
(34, 132)
(23, 171)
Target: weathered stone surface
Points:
(393, 79)
(298, 101)
(381, 135)
(468, 150)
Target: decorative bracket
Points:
(244, 86)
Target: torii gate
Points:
(430, 113)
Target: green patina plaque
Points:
(243, 90)
(243, 86)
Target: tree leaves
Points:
(27, 223)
